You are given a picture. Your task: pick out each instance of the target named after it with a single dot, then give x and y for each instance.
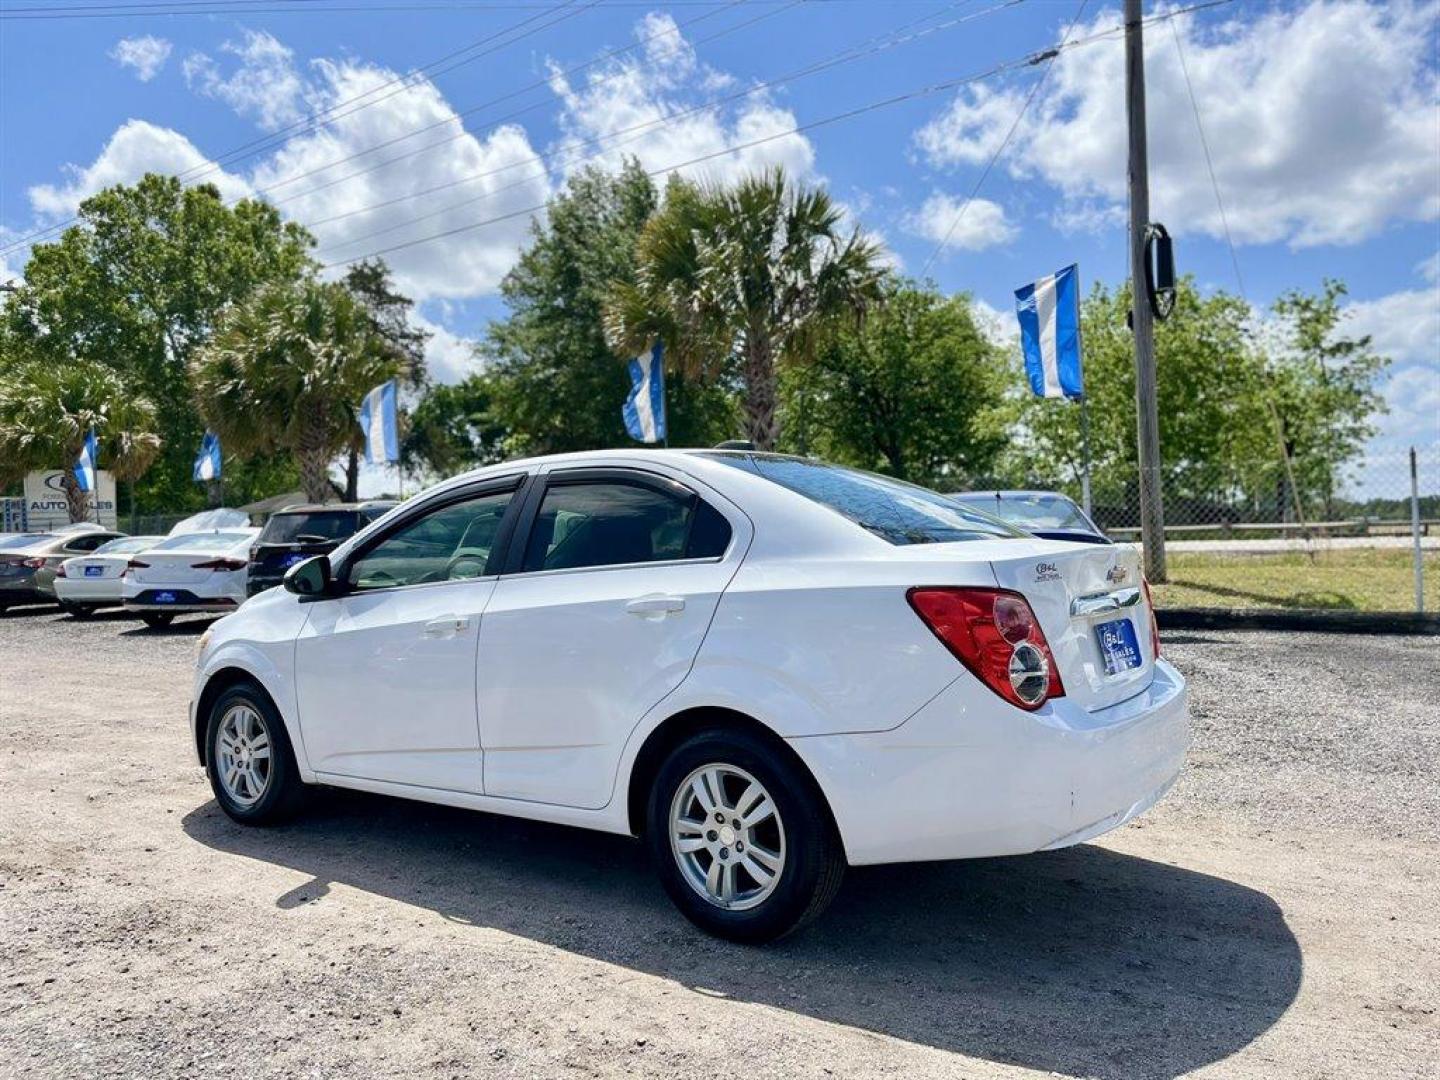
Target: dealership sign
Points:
(45, 505)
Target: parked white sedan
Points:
(765, 666)
(197, 571)
(92, 581)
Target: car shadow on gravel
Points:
(1084, 962)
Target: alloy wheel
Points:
(242, 754)
(727, 836)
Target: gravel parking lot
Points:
(1276, 916)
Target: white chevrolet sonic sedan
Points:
(765, 666)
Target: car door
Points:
(608, 592)
(385, 672)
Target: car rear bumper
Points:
(22, 591)
(969, 776)
(80, 590)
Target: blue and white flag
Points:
(377, 420)
(85, 463)
(1049, 312)
(207, 462)
(644, 409)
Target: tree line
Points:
(163, 312)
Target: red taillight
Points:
(134, 564)
(32, 564)
(220, 564)
(1154, 621)
(995, 634)
(60, 570)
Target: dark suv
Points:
(297, 532)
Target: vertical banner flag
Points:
(377, 420)
(1049, 312)
(207, 462)
(644, 409)
(85, 464)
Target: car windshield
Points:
(127, 544)
(891, 509)
(1032, 511)
(321, 525)
(220, 541)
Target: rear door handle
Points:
(447, 626)
(655, 607)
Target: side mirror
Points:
(310, 578)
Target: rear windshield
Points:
(891, 509)
(127, 544)
(1037, 511)
(220, 541)
(310, 528)
(26, 540)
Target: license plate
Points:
(94, 571)
(1118, 645)
(164, 598)
(291, 560)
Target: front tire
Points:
(249, 759)
(157, 620)
(741, 838)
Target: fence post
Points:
(1415, 533)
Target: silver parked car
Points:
(28, 562)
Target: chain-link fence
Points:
(1274, 535)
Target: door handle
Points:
(655, 607)
(447, 626)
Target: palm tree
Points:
(286, 369)
(47, 409)
(742, 279)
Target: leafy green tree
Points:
(916, 391)
(47, 410)
(742, 281)
(370, 282)
(452, 428)
(553, 381)
(1323, 386)
(286, 370)
(137, 285)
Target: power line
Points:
(1209, 163)
(910, 95)
(565, 9)
(862, 50)
(1048, 59)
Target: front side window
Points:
(615, 523)
(452, 543)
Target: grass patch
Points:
(1350, 579)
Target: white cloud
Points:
(1413, 397)
(448, 356)
(1405, 326)
(146, 54)
(983, 224)
(137, 147)
(633, 93)
(996, 326)
(469, 263)
(264, 85)
(1429, 269)
(1322, 122)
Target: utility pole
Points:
(1147, 414)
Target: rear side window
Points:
(891, 509)
(616, 523)
(310, 528)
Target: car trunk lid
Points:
(1090, 601)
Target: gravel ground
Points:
(1274, 917)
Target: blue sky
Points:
(1322, 120)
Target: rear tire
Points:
(78, 611)
(249, 760)
(794, 862)
(157, 620)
